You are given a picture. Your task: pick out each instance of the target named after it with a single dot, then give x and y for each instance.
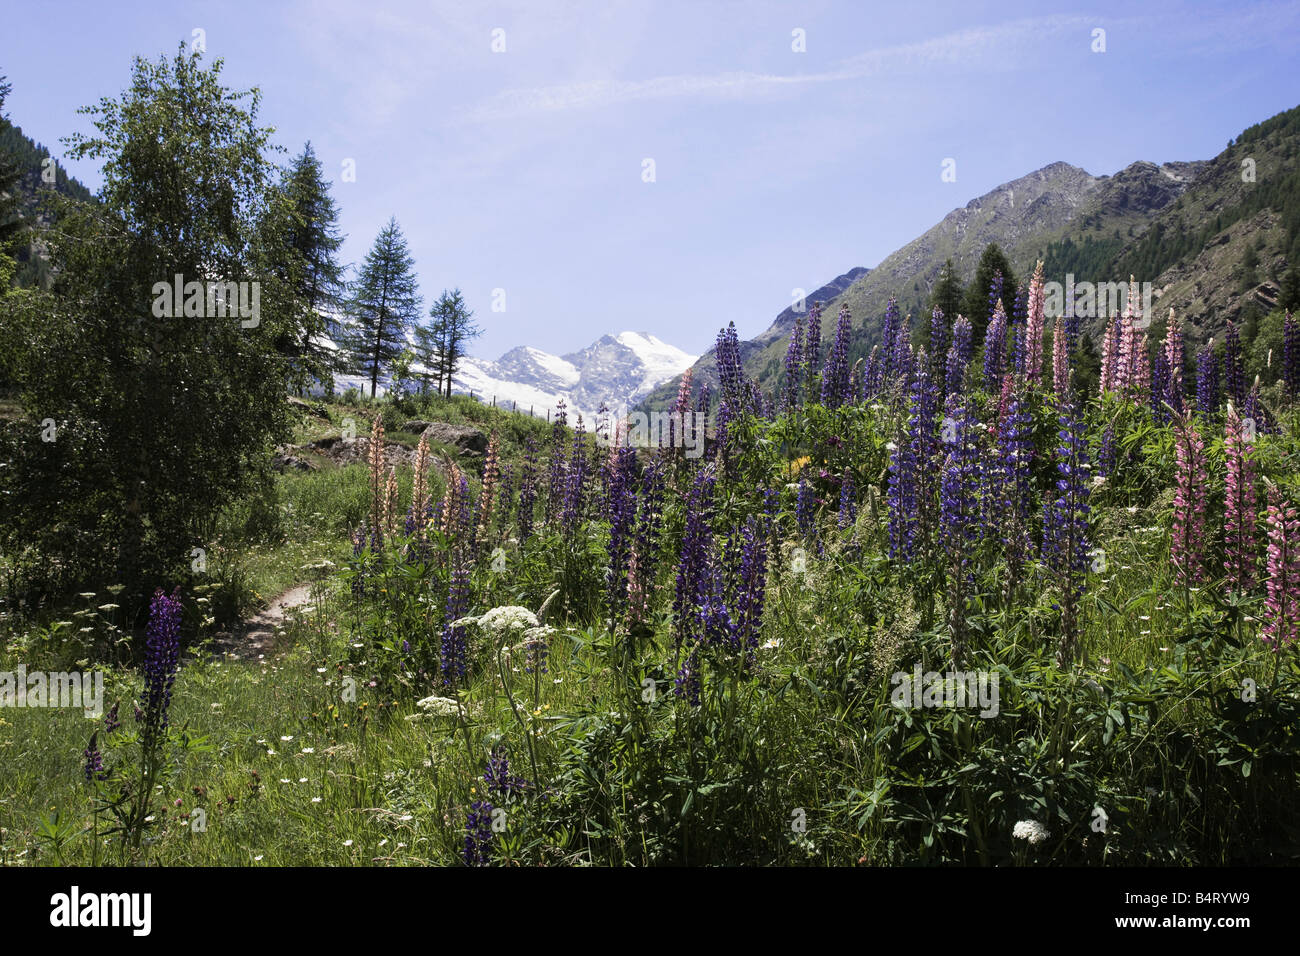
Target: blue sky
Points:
(774, 169)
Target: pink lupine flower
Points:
(1060, 358)
(1187, 547)
(1283, 606)
(1174, 356)
(1241, 504)
(1034, 326)
(1110, 356)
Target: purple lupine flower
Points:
(1018, 325)
(1160, 389)
(1255, 411)
(649, 522)
(527, 489)
(555, 484)
(575, 485)
(751, 585)
(93, 765)
(1291, 356)
(111, 721)
(622, 511)
(1174, 360)
(938, 344)
(703, 405)
(1065, 526)
(996, 294)
(1106, 452)
(812, 348)
(162, 659)
(995, 339)
(803, 507)
(793, 367)
(536, 651)
(1234, 371)
(959, 356)
(959, 513)
(692, 564)
(1207, 380)
(730, 371)
(453, 659)
(848, 511)
(903, 353)
(835, 377)
(478, 834)
(497, 775)
(687, 683)
(889, 343)
(1014, 451)
(871, 378)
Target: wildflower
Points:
(162, 658)
(1207, 380)
(995, 345)
(1060, 360)
(1035, 325)
(694, 554)
(1234, 371)
(793, 362)
(111, 721)
(622, 513)
(491, 475)
(846, 512)
(835, 377)
(1065, 525)
(1030, 830)
(453, 656)
(1173, 351)
(439, 706)
(478, 834)
(959, 356)
(1283, 603)
(812, 345)
(94, 762)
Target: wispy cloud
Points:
(1003, 46)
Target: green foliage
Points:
(385, 301)
(142, 426)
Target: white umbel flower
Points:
(1030, 830)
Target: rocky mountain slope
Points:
(1213, 241)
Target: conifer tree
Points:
(385, 302)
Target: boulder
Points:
(345, 451)
(470, 441)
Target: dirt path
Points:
(256, 636)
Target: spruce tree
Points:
(450, 330)
(978, 307)
(385, 302)
(313, 235)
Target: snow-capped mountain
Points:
(616, 370)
